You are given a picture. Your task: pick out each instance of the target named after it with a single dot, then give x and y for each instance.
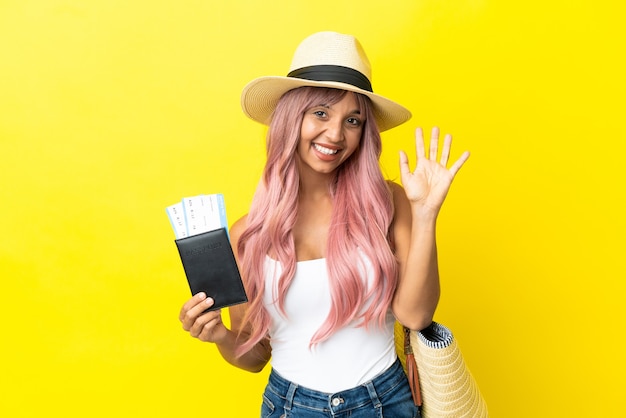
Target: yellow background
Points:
(111, 110)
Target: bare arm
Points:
(416, 211)
(209, 327)
(417, 291)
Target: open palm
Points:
(428, 185)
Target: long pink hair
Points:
(360, 222)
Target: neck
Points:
(315, 184)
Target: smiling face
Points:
(329, 135)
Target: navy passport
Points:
(210, 267)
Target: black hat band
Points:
(333, 73)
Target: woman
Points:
(331, 254)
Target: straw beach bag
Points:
(440, 381)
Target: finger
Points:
(200, 320)
(192, 315)
(459, 163)
(206, 333)
(197, 298)
(204, 324)
(434, 143)
(419, 144)
(445, 152)
(404, 163)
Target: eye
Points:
(354, 121)
(320, 113)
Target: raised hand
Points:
(428, 185)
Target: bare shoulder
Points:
(400, 202)
(394, 187)
(402, 219)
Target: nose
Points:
(334, 130)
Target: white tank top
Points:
(351, 356)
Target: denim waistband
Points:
(356, 397)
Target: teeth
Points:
(325, 150)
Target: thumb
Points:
(404, 164)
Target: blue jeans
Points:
(387, 395)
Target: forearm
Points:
(418, 290)
(426, 187)
(252, 361)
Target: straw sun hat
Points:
(324, 59)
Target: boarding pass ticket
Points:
(197, 214)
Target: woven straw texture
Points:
(260, 96)
(447, 386)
